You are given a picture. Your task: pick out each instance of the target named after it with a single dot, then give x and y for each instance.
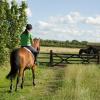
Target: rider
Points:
(26, 40)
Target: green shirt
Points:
(26, 39)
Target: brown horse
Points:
(20, 60)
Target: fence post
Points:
(98, 58)
(51, 58)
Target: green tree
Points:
(75, 42)
(17, 20)
(3, 31)
(12, 20)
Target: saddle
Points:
(28, 50)
(31, 53)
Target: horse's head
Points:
(36, 44)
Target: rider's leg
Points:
(34, 52)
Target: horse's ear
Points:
(39, 39)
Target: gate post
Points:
(98, 57)
(51, 58)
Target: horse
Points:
(89, 50)
(20, 60)
(82, 51)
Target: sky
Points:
(65, 19)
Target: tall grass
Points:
(72, 82)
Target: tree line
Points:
(67, 43)
(12, 20)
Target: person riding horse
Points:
(27, 40)
(22, 59)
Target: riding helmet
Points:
(28, 26)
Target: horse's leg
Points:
(11, 85)
(22, 80)
(33, 74)
(18, 77)
(17, 83)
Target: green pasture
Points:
(70, 82)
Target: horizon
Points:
(70, 41)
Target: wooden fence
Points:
(55, 59)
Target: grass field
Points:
(59, 49)
(72, 82)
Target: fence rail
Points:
(52, 59)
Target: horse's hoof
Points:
(34, 84)
(10, 91)
(21, 86)
(15, 90)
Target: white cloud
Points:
(93, 20)
(69, 27)
(73, 17)
(28, 12)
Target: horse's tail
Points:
(14, 62)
